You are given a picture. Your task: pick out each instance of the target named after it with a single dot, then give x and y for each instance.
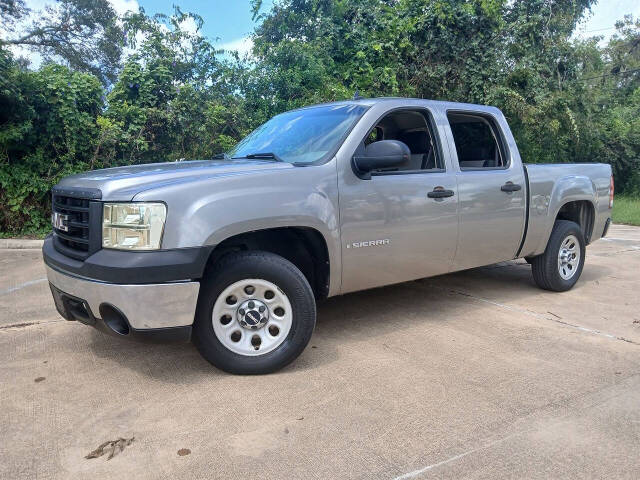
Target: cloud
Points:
(242, 45)
(123, 6)
(189, 26)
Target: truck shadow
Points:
(376, 310)
(170, 363)
(346, 320)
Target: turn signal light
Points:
(611, 193)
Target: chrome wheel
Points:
(252, 317)
(569, 257)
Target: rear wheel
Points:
(256, 313)
(559, 267)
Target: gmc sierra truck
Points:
(234, 252)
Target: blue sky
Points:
(604, 16)
(229, 20)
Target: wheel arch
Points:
(581, 212)
(304, 246)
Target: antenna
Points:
(356, 96)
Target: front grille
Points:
(81, 214)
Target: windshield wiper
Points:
(221, 156)
(264, 155)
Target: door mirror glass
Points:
(384, 154)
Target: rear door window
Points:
(477, 141)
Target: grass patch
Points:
(626, 210)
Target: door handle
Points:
(510, 187)
(440, 192)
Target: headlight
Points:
(133, 226)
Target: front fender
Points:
(207, 211)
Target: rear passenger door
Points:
(491, 190)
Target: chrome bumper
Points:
(146, 306)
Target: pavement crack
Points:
(28, 324)
(395, 348)
(19, 325)
(537, 315)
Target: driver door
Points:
(392, 230)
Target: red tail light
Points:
(611, 193)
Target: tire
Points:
(282, 321)
(556, 273)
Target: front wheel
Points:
(559, 267)
(256, 313)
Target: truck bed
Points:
(550, 186)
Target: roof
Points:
(408, 100)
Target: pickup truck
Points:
(234, 252)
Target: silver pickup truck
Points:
(234, 252)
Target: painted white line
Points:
(561, 419)
(23, 285)
(415, 473)
(614, 239)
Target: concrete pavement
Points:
(477, 374)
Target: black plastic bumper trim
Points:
(125, 267)
(606, 227)
(162, 335)
(148, 335)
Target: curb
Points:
(20, 243)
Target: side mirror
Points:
(381, 154)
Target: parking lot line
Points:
(23, 285)
(537, 315)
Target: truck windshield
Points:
(300, 136)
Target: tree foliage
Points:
(175, 96)
(85, 34)
(47, 129)
(567, 100)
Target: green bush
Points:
(48, 130)
(56, 122)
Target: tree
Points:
(85, 34)
(12, 10)
(173, 99)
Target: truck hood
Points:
(124, 183)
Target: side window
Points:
(477, 141)
(415, 129)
